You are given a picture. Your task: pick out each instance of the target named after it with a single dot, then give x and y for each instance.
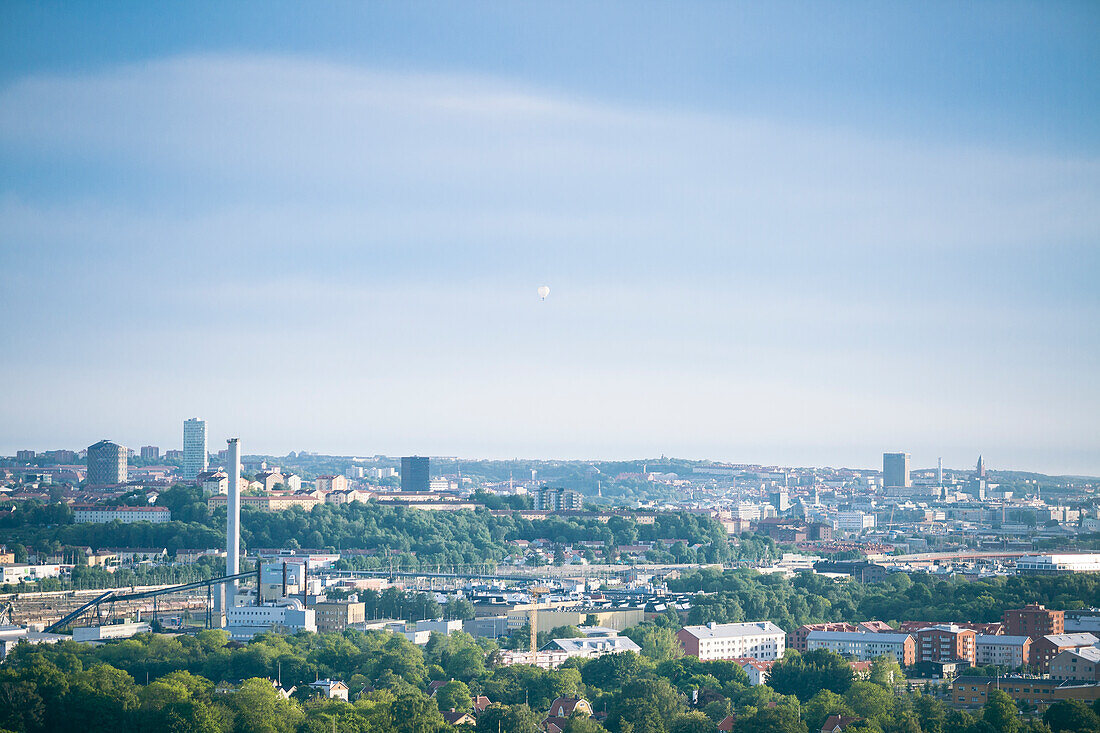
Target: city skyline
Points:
(802, 238)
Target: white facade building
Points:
(11, 636)
(439, 626)
(854, 521)
(1004, 651)
(87, 634)
(244, 622)
(216, 483)
(98, 513)
(759, 640)
(1046, 564)
(194, 448)
(593, 646)
(863, 646)
(22, 572)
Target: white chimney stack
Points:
(233, 521)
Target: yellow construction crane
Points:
(536, 592)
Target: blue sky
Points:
(789, 233)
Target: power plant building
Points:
(107, 464)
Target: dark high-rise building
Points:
(895, 469)
(150, 453)
(415, 474)
(107, 464)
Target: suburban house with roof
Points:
(837, 723)
(756, 669)
(560, 711)
(332, 689)
(458, 718)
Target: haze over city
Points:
(326, 231)
(550, 367)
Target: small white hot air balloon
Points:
(543, 292)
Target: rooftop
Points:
(721, 631)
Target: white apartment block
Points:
(100, 514)
(759, 640)
(1004, 651)
(854, 521)
(326, 484)
(861, 646)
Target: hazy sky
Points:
(784, 233)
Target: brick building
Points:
(1034, 620)
(1046, 648)
(1081, 665)
(946, 643)
(797, 639)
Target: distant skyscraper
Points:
(979, 470)
(415, 474)
(150, 453)
(194, 448)
(895, 469)
(106, 464)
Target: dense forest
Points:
(205, 683)
(745, 595)
(405, 538)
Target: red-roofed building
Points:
(756, 669)
(797, 639)
(862, 670)
(563, 707)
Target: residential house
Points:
(458, 718)
(560, 710)
(837, 723)
(332, 689)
